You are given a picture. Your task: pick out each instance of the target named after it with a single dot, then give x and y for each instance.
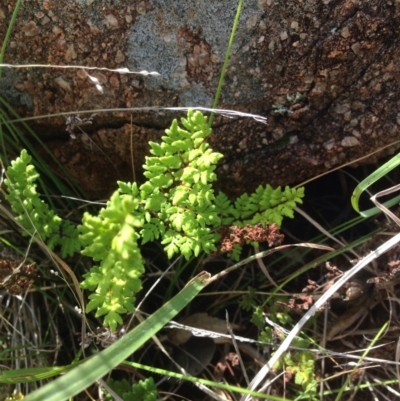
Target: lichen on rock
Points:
(177, 36)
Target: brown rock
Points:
(325, 74)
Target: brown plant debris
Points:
(16, 277)
(227, 362)
(235, 235)
(392, 272)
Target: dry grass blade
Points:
(223, 112)
(83, 67)
(278, 248)
(262, 374)
(266, 253)
(383, 207)
(398, 360)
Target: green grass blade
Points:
(359, 363)
(8, 33)
(14, 138)
(226, 60)
(99, 365)
(375, 176)
(209, 383)
(328, 256)
(18, 376)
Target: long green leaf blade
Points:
(375, 176)
(96, 367)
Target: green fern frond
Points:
(267, 205)
(111, 238)
(33, 213)
(177, 205)
(178, 194)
